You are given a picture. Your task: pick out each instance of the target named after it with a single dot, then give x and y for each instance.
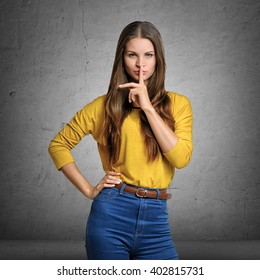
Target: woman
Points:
(143, 133)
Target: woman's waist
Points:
(160, 180)
(144, 192)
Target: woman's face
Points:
(139, 52)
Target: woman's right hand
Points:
(108, 181)
(72, 172)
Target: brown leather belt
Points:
(145, 193)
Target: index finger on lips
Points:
(141, 77)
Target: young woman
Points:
(143, 133)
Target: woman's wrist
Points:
(94, 191)
(149, 110)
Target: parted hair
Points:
(117, 106)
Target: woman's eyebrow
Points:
(136, 52)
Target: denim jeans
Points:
(122, 226)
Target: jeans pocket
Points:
(107, 194)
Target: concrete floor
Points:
(75, 250)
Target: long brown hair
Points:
(116, 102)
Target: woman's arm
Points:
(165, 137)
(176, 146)
(72, 172)
(88, 120)
(138, 94)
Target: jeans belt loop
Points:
(158, 194)
(122, 188)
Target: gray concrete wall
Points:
(56, 56)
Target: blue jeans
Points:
(122, 226)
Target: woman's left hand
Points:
(138, 94)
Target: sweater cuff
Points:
(60, 159)
(178, 155)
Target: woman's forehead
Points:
(139, 45)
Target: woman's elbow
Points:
(183, 160)
(182, 164)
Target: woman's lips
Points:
(137, 72)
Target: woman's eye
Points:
(132, 55)
(149, 55)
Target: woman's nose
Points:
(140, 63)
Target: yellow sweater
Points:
(132, 162)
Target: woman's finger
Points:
(112, 180)
(129, 85)
(141, 77)
(113, 173)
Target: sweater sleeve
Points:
(88, 120)
(179, 156)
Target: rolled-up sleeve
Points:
(180, 155)
(87, 121)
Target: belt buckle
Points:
(139, 195)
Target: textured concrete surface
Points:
(56, 55)
(75, 250)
